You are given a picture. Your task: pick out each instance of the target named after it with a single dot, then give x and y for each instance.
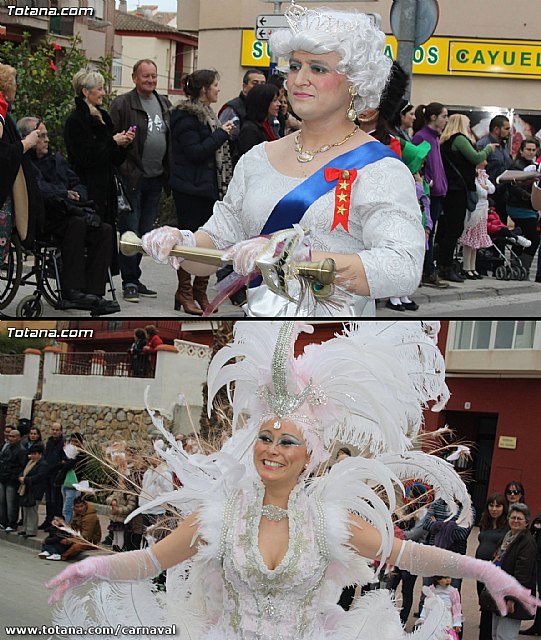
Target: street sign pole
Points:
(406, 38)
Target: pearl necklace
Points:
(308, 156)
(272, 512)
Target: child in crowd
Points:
(497, 229)
(475, 234)
(441, 586)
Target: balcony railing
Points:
(119, 365)
(11, 364)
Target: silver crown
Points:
(302, 19)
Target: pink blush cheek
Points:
(332, 82)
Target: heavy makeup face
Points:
(280, 455)
(315, 89)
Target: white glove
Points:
(120, 567)
(244, 254)
(427, 560)
(159, 242)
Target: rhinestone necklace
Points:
(272, 512)
(308, 156)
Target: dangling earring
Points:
(351, 114)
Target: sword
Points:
(275, 272)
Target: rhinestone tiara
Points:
(302, 19)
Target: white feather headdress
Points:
(366, 387)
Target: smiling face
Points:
(517, 521)
(315, 89)
(94, 96)
(145, 78)
(280, 455)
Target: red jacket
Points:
(153, 344)
(494, 222)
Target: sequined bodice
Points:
(277, 604)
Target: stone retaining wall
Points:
(97, 424)
(13, 412)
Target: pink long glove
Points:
(121, 567)
(245, 253)
(159, 242)
(427, 560)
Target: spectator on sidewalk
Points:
(492, 528)
(516, 555)
(71, 472)
(535, 530)
(441, 586)
(34, 437)
(499, 161)
(262, 106)
(146, 169)
(7, 430)
(514, 492)
(33, 483)
(139, 360)
(236, 108)
(86, 523)
(429, 123)
(53, 458)
(13, 460)
(153, 342)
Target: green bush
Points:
(44, 75)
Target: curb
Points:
(454, 293)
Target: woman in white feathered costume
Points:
(267, 549)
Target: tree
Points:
(44, 75)
(213, 429)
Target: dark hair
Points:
(497, 122)
(486, 518)
(259, 100)
(518, 485)
(345, 450)
(424, 113)
(201, 79)
(36, 429)
(80, 500)
(528, 140)
(436, 579)
(151, 330)
(143, 61)
(77, 436)
(277, 80)
(36, 448)
(140, 333)
(247, 74)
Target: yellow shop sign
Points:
(442, 56)
(475, 57)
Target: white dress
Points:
(385, 229)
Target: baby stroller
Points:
(501, 260)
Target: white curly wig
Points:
(363, 60)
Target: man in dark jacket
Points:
(236, 108)
(145, 170)
(54, 454)
(12, 462)
(498, 161)
(85, 241)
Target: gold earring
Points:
(351, 114)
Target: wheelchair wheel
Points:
(46, 276)
(11, 271)
(30, 307)
(500, 273)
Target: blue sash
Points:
(291, 208)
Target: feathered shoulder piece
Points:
(366, 386)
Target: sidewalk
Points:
(163, 279)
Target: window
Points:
(116, 71)
(98, 6)
(503, 334)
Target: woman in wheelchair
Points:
(86, 243)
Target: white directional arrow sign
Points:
(271, 21)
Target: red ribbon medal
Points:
(342, 194)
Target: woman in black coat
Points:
(20, 201)
(516, 555)
(33, 483)
(262, 106)
(93, 150)
(200, 170)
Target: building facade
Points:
(483, 54)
